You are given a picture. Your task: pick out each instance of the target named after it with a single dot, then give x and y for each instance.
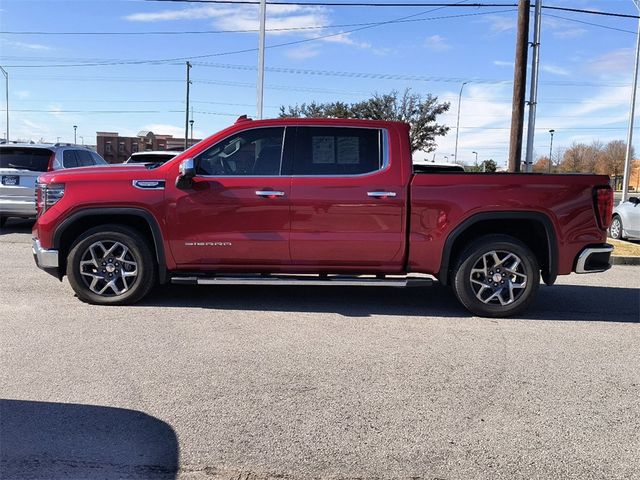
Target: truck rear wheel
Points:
(111, 265)
(496, 276)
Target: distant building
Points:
(116, 149)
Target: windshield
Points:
(150, 158)
(34, 159)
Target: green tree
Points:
(489, 166)
(418, 111)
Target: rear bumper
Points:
(17, 206)
(47, 260)
(594, 259)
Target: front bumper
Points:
(45, 259)
(594, 259)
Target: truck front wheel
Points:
(111, 265)
(496, 276)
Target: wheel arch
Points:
(141, 220)
(534, 229)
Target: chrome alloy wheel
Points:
(615, 230)
(498, 277)
(108, 268)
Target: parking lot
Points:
(292, 382)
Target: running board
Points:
(312, 280)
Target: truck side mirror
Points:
(634, 200)
(186, 173)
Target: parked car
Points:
(20, 166)
(318, 202)
(156, 156)
(625, 223)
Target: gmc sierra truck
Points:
(317, 202)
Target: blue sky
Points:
(585, 82)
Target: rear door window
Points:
(69, 159)
(337, 151)
(84, 158)
(33, 159)
(97, 159)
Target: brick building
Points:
(116, 149)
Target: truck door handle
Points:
(269, 193)
(381, 194)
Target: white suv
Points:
(20, 166)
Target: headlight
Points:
(47, 195)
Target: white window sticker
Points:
(348, 150)
(322, 149)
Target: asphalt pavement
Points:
(259, 383)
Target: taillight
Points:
(603, 203)
(47, 196)
(52, 159)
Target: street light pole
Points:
(458, 122)
(263, 20)
(6, 78)
(75, 129)
(186, 122)
(533, 91)
(552, 131)
(627, 158)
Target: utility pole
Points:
(519, 87)
(6, 79)
(627, 158)
(260, 85)
(533, 91)
(186, 122)
(458, 122)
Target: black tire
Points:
(3, 220)
(133, 272)
(490, 288)
(615, 229)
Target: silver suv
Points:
(20, 166)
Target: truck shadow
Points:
(560, 302)
(17, 225)
(70, 441)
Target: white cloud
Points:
(345, 38)
(613, 63)
(302, 53)
(166, 129)
(502, 63)
(231, 18)
(500, 24)
(437, 43)
(554, 69)
(562, 29)
(28, 46)
(22, 94)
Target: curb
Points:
(616, 260)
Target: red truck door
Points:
(347, 200)
(237, 212)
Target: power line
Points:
(246, 50)
(288, 29)
(590, 23)
(395, 5)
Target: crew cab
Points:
(318, 202)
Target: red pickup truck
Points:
(317, 201)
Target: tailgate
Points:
(19, 169)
